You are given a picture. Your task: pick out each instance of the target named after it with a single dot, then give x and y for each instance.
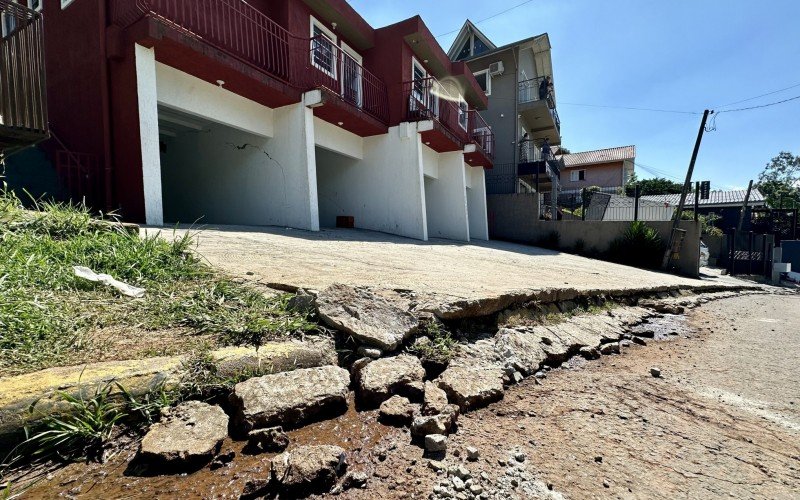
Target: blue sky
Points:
(682, 55)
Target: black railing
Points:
(536, 89)
(23, 96)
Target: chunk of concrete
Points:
(472, 387)
(289, 398)
(435, 399)
(368, 317)
(384, 377)
(188, 435)
(435, 443)
(397, 410)
(271, 439)
(309, 469)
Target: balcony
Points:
(455, 127)
(537, 168)
(536, 105)
(242, 32)
(23, 96)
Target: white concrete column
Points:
(292, 150)
(148, 132)
(446, 199)
(476, 204)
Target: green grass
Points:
(47, 313)
(440, 347)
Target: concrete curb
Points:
(27, 399)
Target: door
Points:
(352, 76)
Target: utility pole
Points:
(744, 206)
(686, 186)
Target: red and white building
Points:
(266, 112)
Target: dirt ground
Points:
(447, 269)
(723, 420)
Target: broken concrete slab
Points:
(289, 398)
(187, 436)
(435, 399)
(309, 469)
(381, 378)
(397, 410)
(27, 399)
(472, 387)
(367, 316)
(270, 439)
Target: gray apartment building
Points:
(518, 79)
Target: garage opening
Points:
(339, 188)
(215, 174)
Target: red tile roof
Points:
(600, 156)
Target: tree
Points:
(656, 185)
(780, 181)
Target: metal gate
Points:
(748, 253)
(781, 223)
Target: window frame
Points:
(488, 90)
(64, 3)
(331, 36)
(348, 51)
(37, 9)
(577, 175)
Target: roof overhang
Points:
(349, 23)
(425, 47)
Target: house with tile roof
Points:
(607, 168)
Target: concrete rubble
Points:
(397, 410)
(381, 378)
(188, 435)
(367, 316)
(289, 398)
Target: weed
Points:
(81, 433)
(440, 347)
(146, 410)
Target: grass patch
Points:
(47, 313)
(435, 345)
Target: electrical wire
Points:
(759, 106)
(683, 112)
(487, 18)
(758, 96)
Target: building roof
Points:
(468, 29)
(715, 198)
(599, 156)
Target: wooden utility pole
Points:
(744, 206)
(686, 186)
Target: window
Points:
(462, 114)
(35, 5)
(418, 76)
(465, 51)
(323, 48)
(65, 3)
(484, 81)
(577, 175)
(351, 75)
(9, 23)
(478, 47)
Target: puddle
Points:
(358, 433)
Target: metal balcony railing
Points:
(482, 134)
(247, 34)
(23, 95)
(427, 99)
(534, 89)
(529, 152)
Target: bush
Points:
(551, 240)
(639, 246)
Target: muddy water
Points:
(358, 433)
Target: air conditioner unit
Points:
(496, 68)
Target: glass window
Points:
(466, 50)
(323, 55)
(462, 114)
(484, 81)
(9, 23)
(35, 5)
(479, 47)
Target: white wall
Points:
(476, 203)
(337, 139)
(148, 129)
(430, 162)
(186, 93)
(446, 198)
(383, 191)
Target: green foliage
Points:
(46, 311)
(780, 181)
(440, 347)
(639, 246)
(707, 222)
(656, 185)
(146, 409)
(81, 434)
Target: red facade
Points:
(264, 50)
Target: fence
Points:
(23, 100)
(746, 252)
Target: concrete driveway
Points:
(447, 269)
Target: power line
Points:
(487, 18)
(632, 108)
(758, 96)
(760, 106)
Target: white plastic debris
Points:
(124, 288)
